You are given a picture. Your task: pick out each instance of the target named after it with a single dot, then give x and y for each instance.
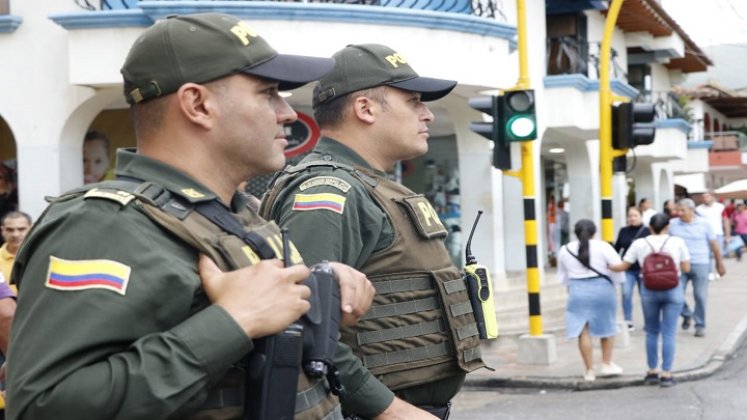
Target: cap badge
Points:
(243, 32)
(395, 59)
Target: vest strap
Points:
(409, 355)
(222, 398)
(310, 397)
(467, 331)
(408, 331)
(472, 354)
(463, 308)
(402, 308)
(455, 286)
(403, 285)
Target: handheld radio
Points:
(480, 291)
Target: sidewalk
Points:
(695, 358)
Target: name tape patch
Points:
(325, 180)
(72, 275)
(323, 201)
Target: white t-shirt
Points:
(714, 215)
(601, 254)
(674, 246)
(647, 215)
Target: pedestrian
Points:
(133, 302)
(647, 210)
(14, 227)
(670, 209)
(96, 157)
(418, 340)
(661, 308)
(740, 226)
(634, 230)
(713, 212)
(701, 242)
(591, 308)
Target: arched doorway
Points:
(8, 170)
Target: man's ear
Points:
(198, 104)
(365, 109)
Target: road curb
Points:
(575, 383)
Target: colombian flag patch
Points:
(70, 275)
(323, 201)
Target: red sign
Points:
(301, 134)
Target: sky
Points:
(710, 22)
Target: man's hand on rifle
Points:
(264, 299)
(356, 293)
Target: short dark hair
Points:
(148, 116)
(16, 215)
(331, 114)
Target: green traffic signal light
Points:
(520, 121)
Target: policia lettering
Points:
(226, 401)
(418, 290)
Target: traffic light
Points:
(491, 105)
(519, 118)
(631, 125)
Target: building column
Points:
(481, 188)
(582, 158)
(645, 184)
(50, 155)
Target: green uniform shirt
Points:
(349, 234)
(149, 351)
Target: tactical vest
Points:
(420, 327)
(313, 399)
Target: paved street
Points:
(710, 371)
(720, 396)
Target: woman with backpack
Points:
(592, 299)
(661, 258)
(634, 230)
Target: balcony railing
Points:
(727, 141)
(482, 8)
(667, 104)
(569, 55)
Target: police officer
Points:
(419, 338)
(119, 315)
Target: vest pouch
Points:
(423, 216)
(403, 338)
(460, 316)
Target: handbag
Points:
(589, 265)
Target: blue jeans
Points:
(632, 277)
(699, 276)
(661, 309)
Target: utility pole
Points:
(606, 152)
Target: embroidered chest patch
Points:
(72, 275)
(323, 201)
